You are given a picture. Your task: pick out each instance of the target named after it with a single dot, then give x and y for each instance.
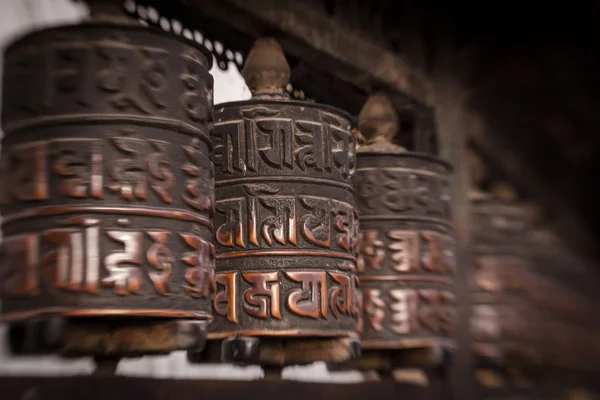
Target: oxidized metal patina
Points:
(406, 258)
(285, 224)
(107, 190)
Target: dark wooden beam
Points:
(126, 388)
(326, 36)
(341, 80)
(122, 388)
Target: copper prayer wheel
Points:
(504, 322)
(406, 254)
(526, 316)
(562, 290)
(285, 224)
(107, 190)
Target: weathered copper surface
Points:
(107, 190)
(406, 263)
(285, 222)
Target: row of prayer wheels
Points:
(139, 219)
(522, 316)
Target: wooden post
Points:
(453, 121)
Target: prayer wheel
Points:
(406, 253)
(107, 190)
(526, 316)
(285, 224)
(504, 320)
(563, 289)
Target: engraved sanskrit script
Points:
(76, 264)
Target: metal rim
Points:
(517, 206)
(301, 334)
(93, 24)
(407, 344)
(102, 313)
(409, 154)
(297, 103)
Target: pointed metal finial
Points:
(266, 71)
(378, 124)
(504, 191)
(378, 121)
(476, 169)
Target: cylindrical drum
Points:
(565, 289)
(285, 223)
(406, 257)
(107, 188)
(503, 319)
